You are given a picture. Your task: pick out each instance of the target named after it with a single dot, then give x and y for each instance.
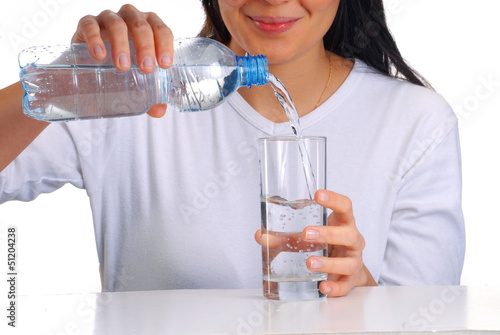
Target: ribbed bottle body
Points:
(67, 83)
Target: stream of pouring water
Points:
(293, 116)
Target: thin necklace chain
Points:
(327, 83)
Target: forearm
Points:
(17, 131)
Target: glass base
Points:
(292, 290)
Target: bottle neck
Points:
(253, 70)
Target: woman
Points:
(175, 199)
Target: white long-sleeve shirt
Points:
(176, 200)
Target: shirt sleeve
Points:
(48, 163)
(426, 240)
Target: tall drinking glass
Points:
(292, 169)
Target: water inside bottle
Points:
(63, 92)
(293, 116)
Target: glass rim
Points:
(291, 138)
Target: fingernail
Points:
(316, 264)
(312, 235)
(166, 60)
(323, 196)
(123, 60)
(98, 50)
(327, 289)
(148, 63)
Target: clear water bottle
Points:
(64, 83)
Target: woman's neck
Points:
(305, 79)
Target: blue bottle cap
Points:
(254, 70)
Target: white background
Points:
(453, 43)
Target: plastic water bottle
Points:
(64, 83)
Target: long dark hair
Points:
(358, 31)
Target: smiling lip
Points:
(274, 25)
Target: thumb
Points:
(158, 111)
(258, 237)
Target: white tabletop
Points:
(364, 310)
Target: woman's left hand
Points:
(344, 263)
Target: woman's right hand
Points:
(153, 40)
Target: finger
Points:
(274, 241)
(158, 110)
(142, 35)
(257, 236)
(347, 236)
(338, 203)
(89, 31)
(163, 39)
(117, 32)
(339, 288)
(288, 242)
(344, 266)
